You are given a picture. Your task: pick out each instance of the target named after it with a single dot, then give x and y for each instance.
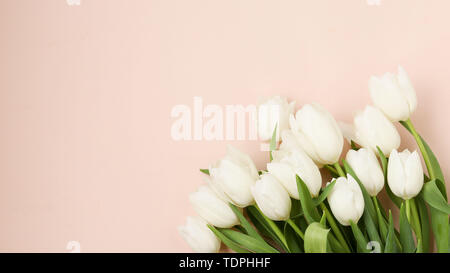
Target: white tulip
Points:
(286, 164)
(346, 200)
(289, 141)
(212, 208)
(199, 237)
(272, 112)
(405, 174)
(318, 133)
(234, 175)
(370, 129)
(394, 95)
(367, 169)
(215, 188)
(272, 198)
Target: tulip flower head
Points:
(286, 164)
(289, 141)
(212, 208)
(272, 112)
(405, 174)
(394, 95)
(318, 133)
(234, 175)
(366, 167)
(272, 198)
(346, 200)
(370, 129)
(199, 237)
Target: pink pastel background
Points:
(86, 94)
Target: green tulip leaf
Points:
(246, 224)
(263, 227)
(382, 226)
(371, 228)
(205, 171)
(440, 227)
(361, 241)
(391, 245)
(353, 145)
(247, 241)
(292, 239)
(324, 194)
(323, 220)
(424, 222)
(406, 235)
(316, 238)
(335, 246)
(306, 201)
(432, 195)
(300, 214)
(227, 241)
(332, 170)
(296, 208)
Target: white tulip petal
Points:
(394, 95)
(242, 159)
(273, 112)
(407, 89)
(198, 236)
(367, 169)
(289, 141)
(414, 174)
(217, 190)
(373, 129)
(322, 131)
(317, 133)
(272, 198)
(346, 201)
(287, 164)
(284, 173)
(385, 95)
(233, 176)
(213, 209)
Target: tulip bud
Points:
(275, 111)
(367, 169)
(371, 129)
(405, 174)
(213, 209)
(272, 198)
(234, 175)
(286, 164)
(199, 237)
(394, 95)
(318, 133)
(346, 200)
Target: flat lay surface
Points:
(87, 156)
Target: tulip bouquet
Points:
(285, 208)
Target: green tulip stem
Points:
(413, 217)
(296, 228)
(339, 169)
(334, 226)
(375, 202)
(408, 210)
(422, 149)
(275, 228)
